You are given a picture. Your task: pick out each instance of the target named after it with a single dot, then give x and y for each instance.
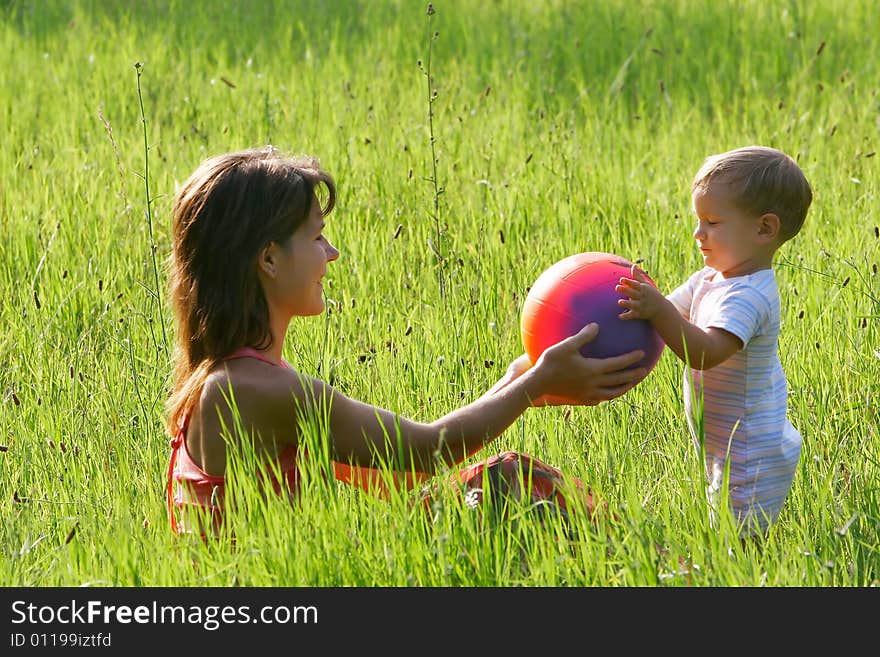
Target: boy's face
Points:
(728, 237)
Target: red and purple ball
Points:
(577, 291)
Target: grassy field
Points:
(472, 148)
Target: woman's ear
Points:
(768, 227)
(266, 259)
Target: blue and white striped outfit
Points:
(744, 399)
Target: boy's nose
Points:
(332, 252)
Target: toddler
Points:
(723, 323)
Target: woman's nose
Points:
(332, 252)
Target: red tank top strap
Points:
(250, 352)
(176, 446)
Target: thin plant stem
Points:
(438, 190)
(149, 202)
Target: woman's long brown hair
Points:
(228, 210)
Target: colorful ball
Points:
(579, 290)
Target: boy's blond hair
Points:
(763, 180)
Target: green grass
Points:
(558, 128)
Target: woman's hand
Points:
(565, 377)
(515, 370)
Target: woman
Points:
(249, 255)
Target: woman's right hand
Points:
(565, 377)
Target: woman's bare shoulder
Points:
(254, 383)
(264, 398)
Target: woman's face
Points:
(301, 263)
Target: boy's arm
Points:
(701, 349)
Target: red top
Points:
(189, 486)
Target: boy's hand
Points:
(644, 300)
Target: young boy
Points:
(723, 323)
